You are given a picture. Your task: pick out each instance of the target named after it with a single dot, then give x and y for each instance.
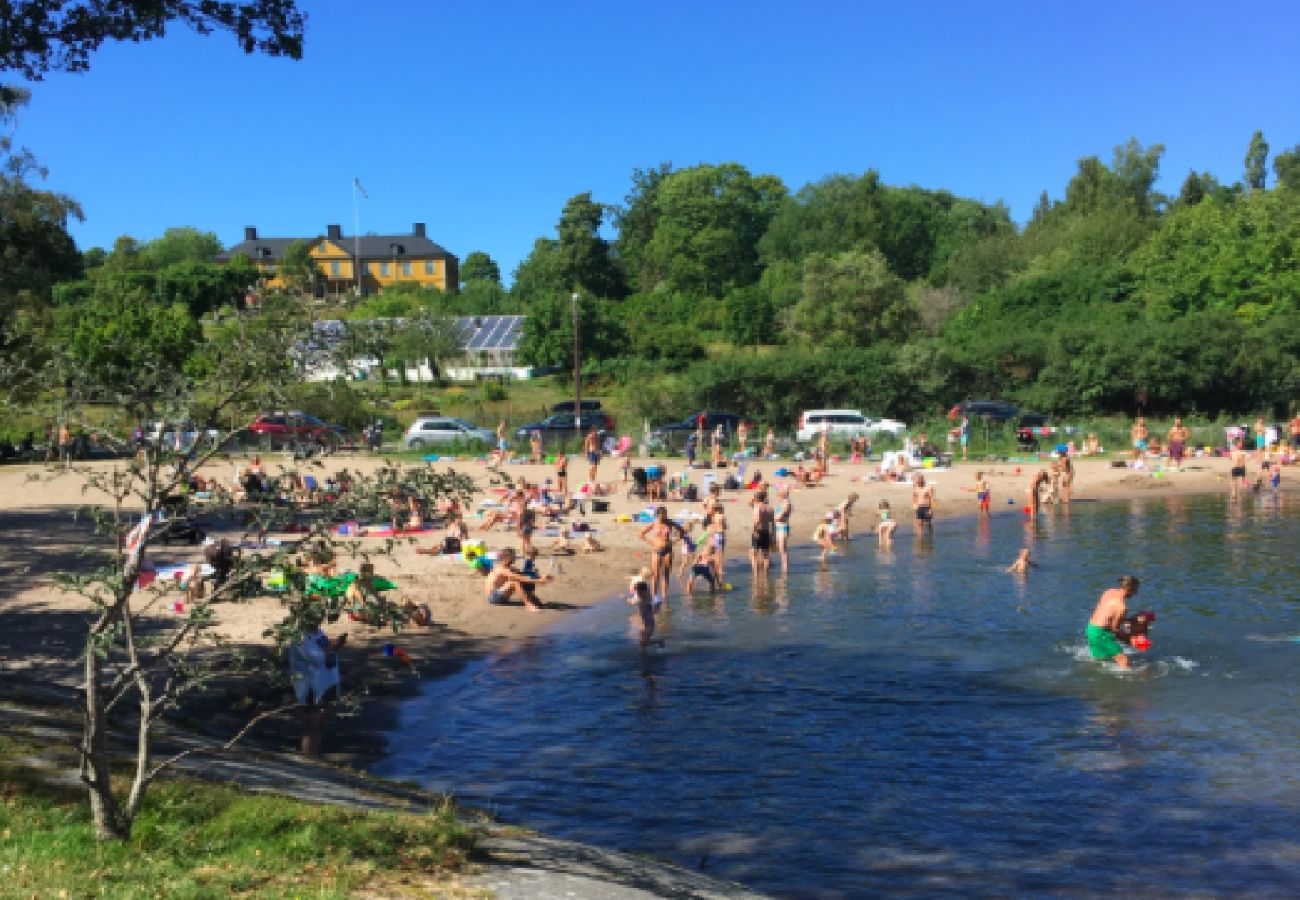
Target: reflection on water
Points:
(917, 719)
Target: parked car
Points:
(562, 425)
(284, 429)
(588, 406)
(428, 431)
(886, 426)
(838, 423)
(674, 434)
(994, 410)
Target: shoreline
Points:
(469, 629)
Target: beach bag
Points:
(731, 484)
(690, 494)
(451, 544)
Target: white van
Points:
(838, 423)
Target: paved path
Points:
(508, 864)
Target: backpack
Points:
(690, 494)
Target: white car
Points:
(843, 423)
(886, 426)
(428, 431)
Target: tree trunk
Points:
(95, 768)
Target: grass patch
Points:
(195, 839)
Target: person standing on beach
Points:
(1178, 437)
(760, 541)
(1261, 438)
(1067, 477)
(965, 436)
(769, 442)
(717, 525)
(1102, 643)
(1294, 429)
(717, 448)
(591, 447)
(562, 473)
(781, 520)
(659, 535)
(742, 436)
(503, 445)
(314, 674)
(923, 503)
(1138, 435)
(535, 448)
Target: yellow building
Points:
(384, 260)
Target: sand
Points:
(40, 623)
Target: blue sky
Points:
(482, 118)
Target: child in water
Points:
(885, 530)
(823, 538)
(640, 597)
(1022, 564)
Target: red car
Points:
(279, 429)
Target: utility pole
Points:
(577, 371)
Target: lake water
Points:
(919, 721)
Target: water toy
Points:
(1132, 630)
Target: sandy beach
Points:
(40, 623)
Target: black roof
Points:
(372, 246)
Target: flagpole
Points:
(356, 237)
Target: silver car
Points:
(430, 431)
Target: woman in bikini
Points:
(659, 535)
(562, 473)
(718, 534)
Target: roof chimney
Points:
(333, 232)
(250, 233)
(418, 229)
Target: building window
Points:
(335, 269)
(383, 269)
(428, 267)
(406, 268)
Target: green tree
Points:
(478, 266)
(36, 250)
(178, 245)
(41, 36)
(299, 270)
(548, 333)
(636, 220)
(585, 260)
(711, 219)
(425, 340)
(750, 317)
(850, 299)
(1256, 162)
(1286, 165)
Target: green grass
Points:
(194, 839)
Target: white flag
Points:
(356, 183)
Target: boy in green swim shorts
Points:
(1102, 643)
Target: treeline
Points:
(719, 287)
(714, 286)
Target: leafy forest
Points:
(712, 286)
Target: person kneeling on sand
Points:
(503, 580)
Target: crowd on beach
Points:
(689, 547)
